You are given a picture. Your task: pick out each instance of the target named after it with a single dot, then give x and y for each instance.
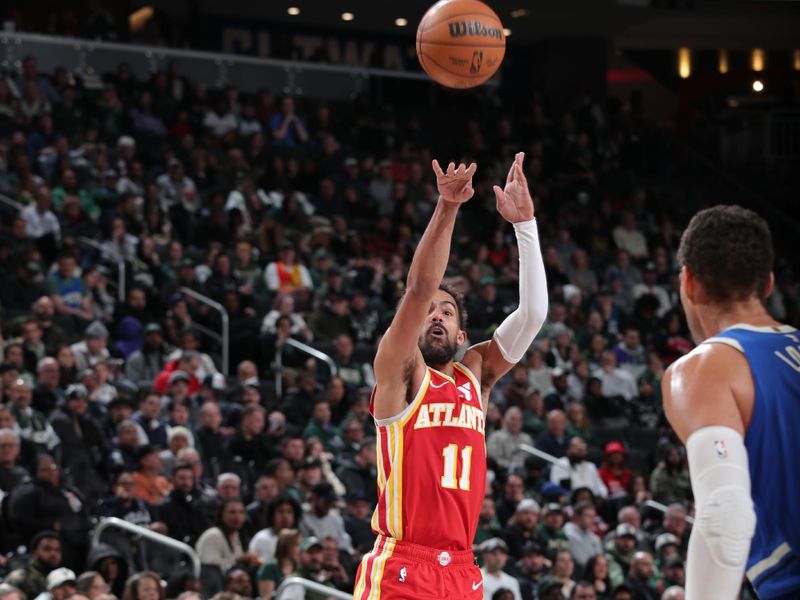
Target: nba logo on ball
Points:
(460, 43)
(722, 450)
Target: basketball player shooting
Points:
(735, 402)
(430, 410)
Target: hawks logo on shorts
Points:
(432, 464)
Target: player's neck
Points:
(446, 368)
(749, 312)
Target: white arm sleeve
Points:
(516, 333)
(725, 519)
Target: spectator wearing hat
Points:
(122, 503)
(358, 474)
(673, 572)
(84, 447)
(549, 588)
(550, 532)
(522, 527)
(60, 585)
(503, 445)
(183, 511)
(583, 543)
(620, 551)
(144, 365)
(577, 470)
(495, 556)
(667, 545)
(93, 348)
(322, 519)
(531, 569)
(615, 475)
(33, 425)
(151, 486)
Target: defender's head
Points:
(726, 259)
(443, 331)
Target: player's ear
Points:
(770, 285)
(461, 338)
(689, 284)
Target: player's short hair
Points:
(729, 250)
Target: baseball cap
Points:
(323, 489)
(673, 561)
(527, 504)
(152, 328)
(59, 577)
(624, 529)
(96, 330)
(614, 447)
(310, 462)
(216, 381)
(76, 390)
(532, 547)
(310, 542)
(553, 507)
(177, 376)
(251, 382)
(665, 539)
(493, 544)
(547, 584)
(553, 491)
(488, 280)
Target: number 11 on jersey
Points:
(450, 454)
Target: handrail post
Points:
(225, 336)
(148, 534)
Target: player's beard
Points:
(439, 354)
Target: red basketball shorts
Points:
(397, 570)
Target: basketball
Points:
(460, 43)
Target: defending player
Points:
(430, 410)
(735, 402)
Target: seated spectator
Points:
(331, 318)
(358, 474)
(628, 238)
(46, 502)
(93, 348)
(561, 395)
(144, 365)
(288, 128)
(577, 471)
(67, 289)
(284, 306)
(223, 545)
(531, 569)
(122, 504)
(33, 425)
(47, 393)
(563, 569)
(148, 418)
(354, 373)
(323, 519)
(675, 523)
(596, 575)
(550, 531)
(539, 374)
(583, 543)
(522, 527)
(266, 490)
(283, 512)
(45, 557)
(616, 382)
(182, 511)
(620, 551)
(11, 473)
(287, 274)
(615, 475)
(579, 423)
(151, 486)
(640, 575)
(145, 585)
(321, 427)
(186, 364)
(503, 445)
(554, 439)
(669, 482)
(495, 555)
(250, 442)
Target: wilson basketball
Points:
(460, 43)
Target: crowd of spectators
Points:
(300, 219)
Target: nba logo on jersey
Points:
(722, 450)
(403, 574)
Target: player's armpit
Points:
(710, 386)
(487, 362)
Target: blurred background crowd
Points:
(132, 212)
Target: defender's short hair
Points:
(729, 250)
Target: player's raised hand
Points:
(455, 185)
(514, 201)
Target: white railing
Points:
(310, 350)
(90, 58)
(312, 586)
(152, 536)
(224, 337)
(118, 259)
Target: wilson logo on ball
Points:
(476, 28)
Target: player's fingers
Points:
(521, 175)
(471, 170)
(461, 168)
(437, 169)
(520, 158)
(451, 168)
(510, 176)
(499, 194)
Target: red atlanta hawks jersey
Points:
(432, 464)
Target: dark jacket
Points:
(98, 554)
(30, 579)
(358, 480)
(184, 515)
(84, 446)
